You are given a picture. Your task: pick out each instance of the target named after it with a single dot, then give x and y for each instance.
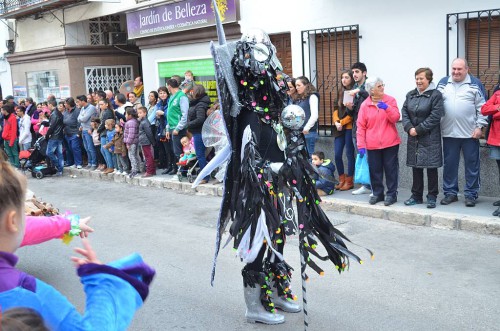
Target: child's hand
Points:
(85, 228)
(88, 253)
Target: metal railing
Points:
(325, 53)
(11, 5)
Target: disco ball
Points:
(293, 117)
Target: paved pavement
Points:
(421, 278)
(453, 217)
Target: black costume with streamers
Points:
(261, 177)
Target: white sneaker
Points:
(118, 172)
(125, 173)
(78, 167)
(361, 190)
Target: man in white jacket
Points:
(24, 129)
(461, 126)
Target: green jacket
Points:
(176, 116)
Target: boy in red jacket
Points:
(9, 134)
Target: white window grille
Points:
(101, 78)
(101, 26)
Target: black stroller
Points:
(35, 160)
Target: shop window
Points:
(476, 37)
(100, 27)
(101, 78)
(203, 72)
(326, 52)
(43, 83)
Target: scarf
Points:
(139, 90)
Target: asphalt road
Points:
(421, 278)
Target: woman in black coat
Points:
(422, 112)
(197, 114)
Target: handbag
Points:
(362, 172)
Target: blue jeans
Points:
(55, 154)
(311, 138)
(108, 157)
(200, 151)
(451, 152)
(74, 151)
(88, 144)
(340, 142)
(67, 155)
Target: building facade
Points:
(75, 46)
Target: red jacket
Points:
(9, 132)
(376, 128)
(492, 107)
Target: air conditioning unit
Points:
(118, 38)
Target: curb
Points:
(429, 218)
(434, 219)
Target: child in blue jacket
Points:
(325, 182)
(113, 292)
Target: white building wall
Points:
(397, 36)
(45, 32)
(5, 73)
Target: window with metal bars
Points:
(100, 27)
(476, 37)
(325, 53)
(101, 78)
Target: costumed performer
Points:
(268, 166)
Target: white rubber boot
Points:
(256, 294)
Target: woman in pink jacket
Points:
(492, 108)
(378, 137)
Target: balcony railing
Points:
(22, 8)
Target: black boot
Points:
(280, 274)
(166, 171)
(173, 171)
(260, 307)
(497, 212)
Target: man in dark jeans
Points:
(463, 95)
(55, 137)
(359, 93)
(72, 133)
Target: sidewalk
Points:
(452, 217)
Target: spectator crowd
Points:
(138, 133)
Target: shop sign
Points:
(178, 16)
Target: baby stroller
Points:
(36, 161)
(189, 170)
